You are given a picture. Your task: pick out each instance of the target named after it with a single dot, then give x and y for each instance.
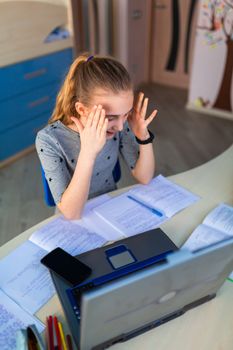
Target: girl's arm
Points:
(93, 138)
(145, 165)
(76, 194)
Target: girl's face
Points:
(117, 108)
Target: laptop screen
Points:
(132, 304)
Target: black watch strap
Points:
(145, 142)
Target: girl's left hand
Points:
(137, 119)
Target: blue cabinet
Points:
(27, 96)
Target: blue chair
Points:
(116, 173)
(48, 195)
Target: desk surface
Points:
(209, 326)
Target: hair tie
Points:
(89, 58)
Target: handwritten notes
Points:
(129, 217)
(13, 318)
(25, 279)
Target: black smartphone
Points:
(66, 266)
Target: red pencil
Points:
(47, 333)
(57, 333)
(51, 344)
(69, 342)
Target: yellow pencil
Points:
(62, 336)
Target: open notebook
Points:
(217, 226)
(145, 207)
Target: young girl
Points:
(79, 148)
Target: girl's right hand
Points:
(93, 134)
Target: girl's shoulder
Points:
(54, 130)
(56, 136)
(49, 134)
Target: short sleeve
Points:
(53, 164)
(129, 147)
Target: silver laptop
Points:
(131, 305)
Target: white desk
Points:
(209, 326)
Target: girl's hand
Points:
(137, 120)
(93, 134)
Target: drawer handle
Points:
(38, 102)
(35, 74)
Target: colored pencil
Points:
(59, 342)
(51, 343)
(69, 342)
(62, 336)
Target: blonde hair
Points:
(86, 74)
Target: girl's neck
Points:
(72, 126)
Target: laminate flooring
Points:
(184, 140)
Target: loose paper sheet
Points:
(25, 279)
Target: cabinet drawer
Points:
(16, 139)
(23, 108)
(22, 77)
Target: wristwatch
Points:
(145, 142)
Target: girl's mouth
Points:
(110, 133)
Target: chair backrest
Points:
(47, 193)
(117, 172)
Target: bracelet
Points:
(145, 142)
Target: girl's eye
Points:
(115, 117)
(110, 118)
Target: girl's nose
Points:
(120, 123)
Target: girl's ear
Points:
(81, 109)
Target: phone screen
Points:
(66, 266)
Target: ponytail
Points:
(66, 98)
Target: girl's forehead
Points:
(114, 103)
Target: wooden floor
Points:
(184, 140)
